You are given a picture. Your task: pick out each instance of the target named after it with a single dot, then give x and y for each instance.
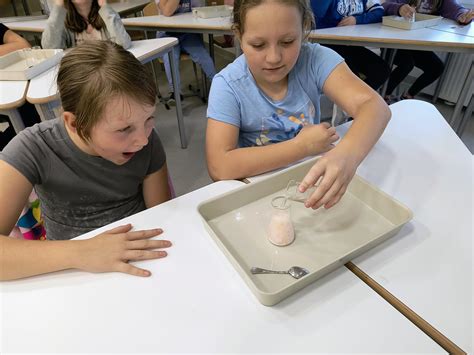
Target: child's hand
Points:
(336, 168)
(112, 250)
(317, 139)
(466, 17)
(347, 21)
(407, 11)
(102, 2)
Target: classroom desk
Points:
(196, 302)
(43, 91)
(12, 96)
(451, 26)
(129, 7)
(421, 162)
(428, 39)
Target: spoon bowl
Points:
(295, 271)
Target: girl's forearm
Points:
(22, 258)
(369, 123)
(244, 162)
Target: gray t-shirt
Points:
(79, 192)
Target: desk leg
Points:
(211, 47)
(462, 97)
(439, 85)
(179, 109)
(390, 53)
(15, 119)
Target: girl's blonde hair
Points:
(76, 23)
(241, 7)
(93, 73)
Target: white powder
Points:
(280, 229)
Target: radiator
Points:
(454, 79)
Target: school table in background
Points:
(451, 26)
(427, 39)
(12, 96)
(196, 302)
(420, 161)
(43, 91)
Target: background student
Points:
(74, 21)
(332, 13)
(263, 105)
(190, 43)
(102, 161)
(428, 62)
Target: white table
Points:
(421, 162)
(43, 91)
(454, 27)
(196, 302)
(12, 96)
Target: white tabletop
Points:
(196, 302)
(43, 87)
(454, 27)
(129, 6)
(378, 35)
(421, 162)
(185, 22)
(12, 93)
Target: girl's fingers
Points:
(329, 195)
(336, 198)
(133, 270)
(321, 190)
(312, 176)
(144, 234)
(120, 229)
(148, 244)
(136, 255)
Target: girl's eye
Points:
(124, 129)
(257, 46)
(287, 43)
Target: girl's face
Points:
(123, 130)
(271, 41)
(81, 2)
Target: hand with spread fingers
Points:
(334, 171)
(112, 250)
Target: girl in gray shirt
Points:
(72, 22)
(100, 162)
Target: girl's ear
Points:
(70, 121)
(237, 34)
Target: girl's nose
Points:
(273, 55)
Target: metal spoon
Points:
(295, 271)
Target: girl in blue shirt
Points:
(263, 109)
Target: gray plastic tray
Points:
(325, 239)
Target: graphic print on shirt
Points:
(425, 7)
(282, 126)
(350, 7)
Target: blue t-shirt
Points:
(236, 99)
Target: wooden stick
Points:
(427, 328)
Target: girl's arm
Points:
(12, 42)
(168, 7)
(453, 10)
(371, 115)
(155, 188)
(54, 35)
(109, 251)
(372, 13)
(114, 26)
(392, 7)
(225, 160)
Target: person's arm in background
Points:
(114, 25)
(453, 10)
(392, 7)
(168, 7)
(54, 35)
(373, 13)
(11, 41)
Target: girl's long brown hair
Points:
(75, 22)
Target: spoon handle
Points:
(257, 270)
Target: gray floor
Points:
(188, 166)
